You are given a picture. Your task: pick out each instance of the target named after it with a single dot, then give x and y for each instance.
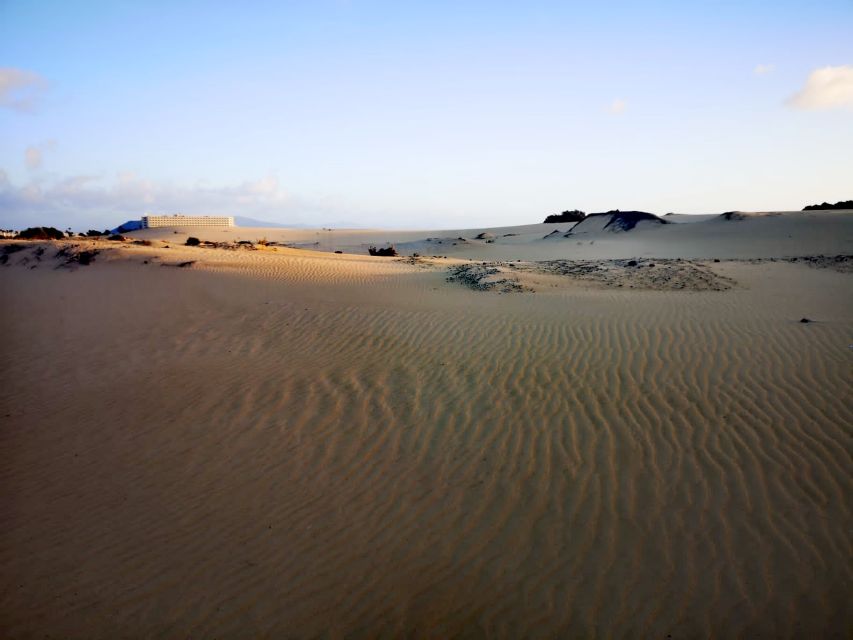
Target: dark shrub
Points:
(845, 204)
(566, 216)
(387, 251)
(144, 243)
(41, 233)
(85, 257)
(116, 237)
(192, 242)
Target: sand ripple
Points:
(205, 455)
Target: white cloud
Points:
(763, 69)
(826, 88)
(617, 106)
(20, 89)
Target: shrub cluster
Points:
(41, 233)
(387, 251)
(566, 216)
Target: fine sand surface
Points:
(288, 443)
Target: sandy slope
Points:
(772, 234)
(294, 444)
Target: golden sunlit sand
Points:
(528, 438)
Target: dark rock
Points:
(192, 242)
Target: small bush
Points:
(386, 252)
(116, 237)
(192, 242)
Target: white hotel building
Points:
(178, 220)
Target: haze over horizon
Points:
(377, 114)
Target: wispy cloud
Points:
(826, 88)
(87, 200)
(617, 106)
(763, 69)
(34, 154)
(20, 90)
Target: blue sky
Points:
(420, 114)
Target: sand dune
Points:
(745, 235)
(288, 443)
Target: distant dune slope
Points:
(615, 221)
(764, 235)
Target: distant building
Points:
(178, 220)
(7, 233)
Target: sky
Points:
(420, 114)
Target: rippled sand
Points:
(303, 445)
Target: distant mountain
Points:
(241, 221)
(844, 204)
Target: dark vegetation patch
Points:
(41, 233)
(639, 273)
(843, 204)
(483, 276)
(116, 237)
(843, 263)
(72, 255)
(575, 215)
(388, 251)
(192, 242)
